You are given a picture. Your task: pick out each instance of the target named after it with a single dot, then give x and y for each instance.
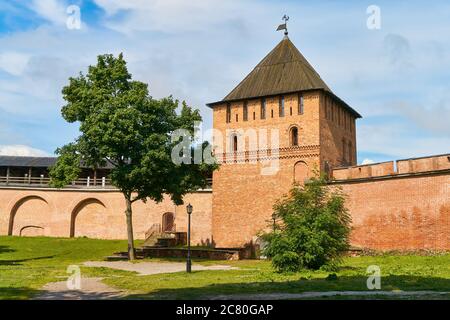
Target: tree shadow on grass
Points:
(17, 262)
(343, 283)
(21, 293)
(76, 295)
(17, 293)
(6, 249)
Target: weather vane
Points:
(284, 25)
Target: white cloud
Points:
(198, 50)
(399, 141)
(367, 161)
(51, 10)
(398, 52)
(434, 118)
(14, 62)
(170, 15)
(21, 151)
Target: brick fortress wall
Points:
(95, 214)
(402, 205)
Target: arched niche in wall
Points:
(301, 172)
(30, 216)
(168, 222)
(88, 219)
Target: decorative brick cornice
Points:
(268, 154)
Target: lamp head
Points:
(189, 208)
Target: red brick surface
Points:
(95, 214)
(401, 213)
(243, 197)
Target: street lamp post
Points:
(274, 218)
(188, 261)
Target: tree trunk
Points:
(128, 213)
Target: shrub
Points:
(311, 228)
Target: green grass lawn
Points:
(26, 264)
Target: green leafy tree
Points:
(122, 125)
(311, 228)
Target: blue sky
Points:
(397, 77)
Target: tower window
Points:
(271, 113)
(281, 106)
(237, 117)
(263, 108)
(300, 104)
(245, 115)
(234, 143)
(254, 115)
(228, 116)
(294, 137)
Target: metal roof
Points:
(34, 162)
(13, 161)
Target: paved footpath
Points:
(94, 288)
(148, 268)
(90, 289)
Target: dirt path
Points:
(148, 268)
(90, 289)
(95, 289)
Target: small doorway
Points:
(168, 222)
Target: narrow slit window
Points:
(281, 106)
(263, 108)
(300, 104)
(294, 137)
(228, 116)
(245, 115)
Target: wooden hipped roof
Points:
(284, 70)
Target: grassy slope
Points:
(28, 263)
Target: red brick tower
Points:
(285, 97)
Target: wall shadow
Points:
(6, 249)
(16, 262)
(343, 283)
(76, 295)
(19, 293)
